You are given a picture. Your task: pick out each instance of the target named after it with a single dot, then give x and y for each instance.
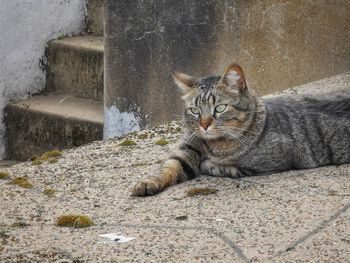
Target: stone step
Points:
(94, 20)
(7, 163)
(75, 66)
(43, 123)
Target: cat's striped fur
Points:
(231, 132)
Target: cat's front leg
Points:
(208, 167)
(182, 165)
(178, 168)
(172, 173)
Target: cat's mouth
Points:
(209, 134)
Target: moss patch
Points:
(49, 192)
(139, 164)
(201, 191)
(50, 156)
(37, 162)
(161, 142)
(53, 160)
(142, 136)
(34, 157)
(22, 182)
(4, 175)
(20, 224)
(127, 142)
(77, 221)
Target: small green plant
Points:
(34, 157)
(142, 136)
(37, 162)
(22, 182)
(4, 175)
(138, 164)
(201, 191)
(50, 156)
(76, 221)
(127, 142)
(161, 142)
(19, 224)
(49, 192)
(53, 160)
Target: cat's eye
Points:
(194, 110)
(220, 108)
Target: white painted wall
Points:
(25, 28)
(118, 123)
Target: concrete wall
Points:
(26, 27)
(279, 43)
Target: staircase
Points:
(69, 112)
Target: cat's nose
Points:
(206, 122)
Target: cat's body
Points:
(297, 134)
(233, 133)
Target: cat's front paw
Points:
(146, 187)
(209, 168)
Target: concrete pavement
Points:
(295, 216)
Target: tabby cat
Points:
(232, 132)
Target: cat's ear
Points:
(183, 81)
(233, 78)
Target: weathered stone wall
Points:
(26, 27)
(280, 44)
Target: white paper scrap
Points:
(117, 237)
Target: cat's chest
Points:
(271, 152)
(223, 153)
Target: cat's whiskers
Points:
(237, 136)
(229, 134)
(190, 139)
(241, 140)
(228, 137)
(239, 129)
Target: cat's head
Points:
(217, 106)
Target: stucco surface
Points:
(26, 27)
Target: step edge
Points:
(63, 43)
(18, 106)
